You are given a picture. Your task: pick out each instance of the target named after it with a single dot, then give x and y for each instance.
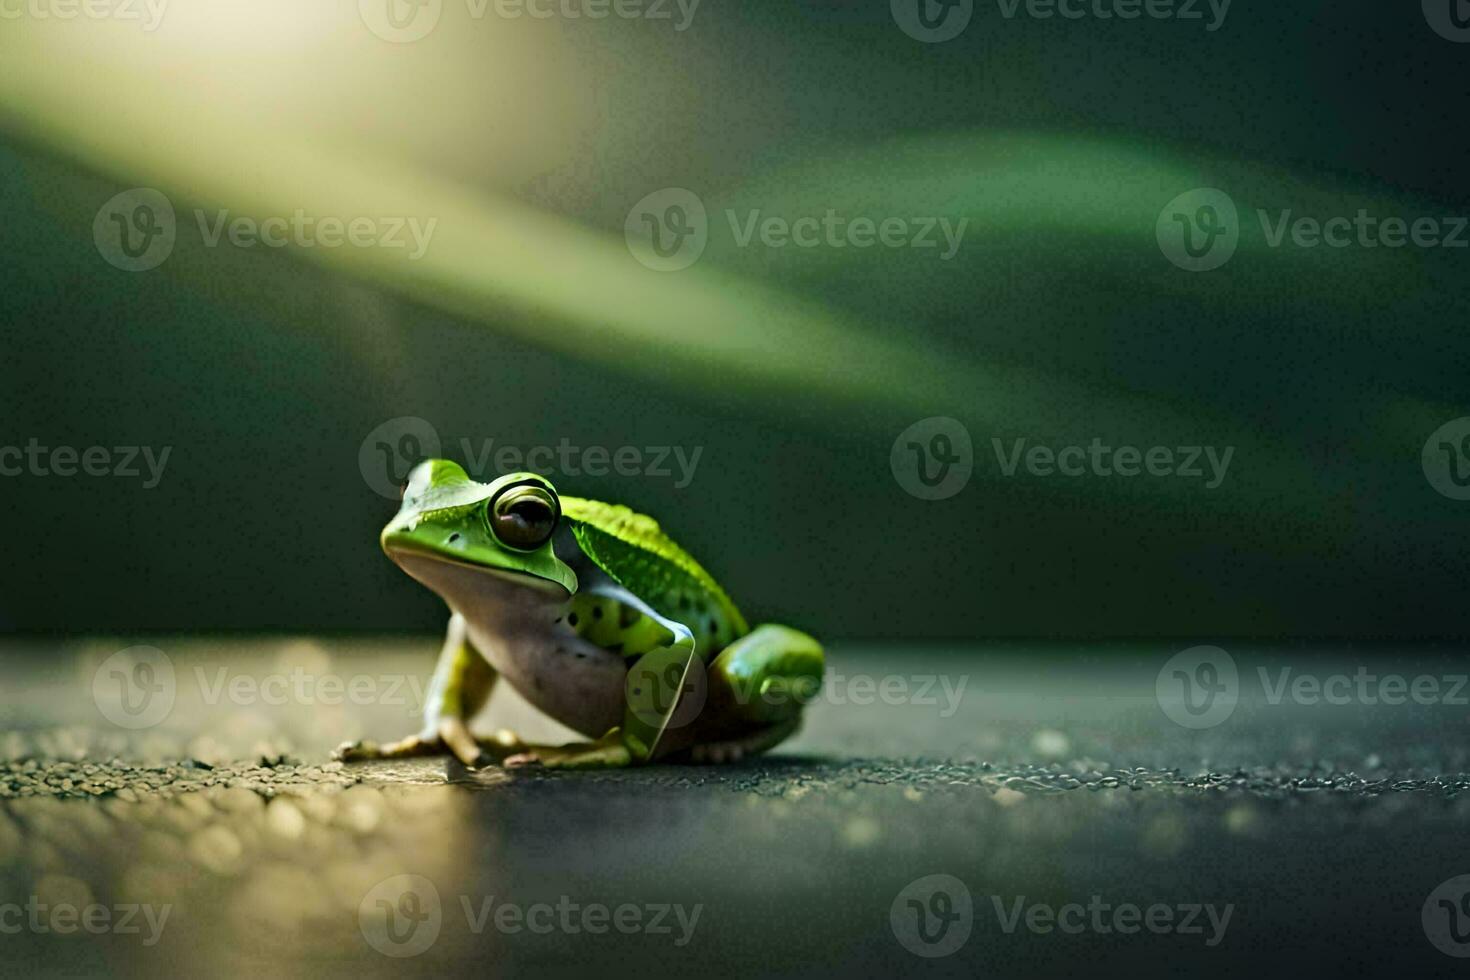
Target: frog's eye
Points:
(523, 516)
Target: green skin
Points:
(637, 648)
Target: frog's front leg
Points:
(460, 687)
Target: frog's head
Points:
(463, 538)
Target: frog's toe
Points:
(355, 751)
(717, 754)
(366, 750)
(606, 753)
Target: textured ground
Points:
(1052, 778)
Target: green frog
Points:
(597, 618)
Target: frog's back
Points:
(633, 552)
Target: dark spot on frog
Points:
(572, 619)
(454, 537)
(596, 612)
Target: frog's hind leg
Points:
(758, 686)
(460, 687)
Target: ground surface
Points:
(201, 829)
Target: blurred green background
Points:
(791, 370)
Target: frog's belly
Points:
(513, 621)
(559, 673)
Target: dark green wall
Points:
(265, 373)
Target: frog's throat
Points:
(468, 587)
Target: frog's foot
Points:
(608, 752)
(735, 749)
(450, 737)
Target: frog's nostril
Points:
(453, 538)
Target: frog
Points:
(597, 618)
